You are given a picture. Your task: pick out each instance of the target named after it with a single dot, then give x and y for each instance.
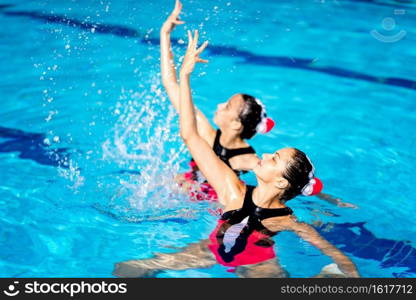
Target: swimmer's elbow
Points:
(186, 135)
(169, 83)
(190, 138)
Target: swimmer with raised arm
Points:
(261, 209)
(238, 119)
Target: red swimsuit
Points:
(235, 243)
(247, 250)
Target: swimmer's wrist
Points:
(164, 30)
(184, 74)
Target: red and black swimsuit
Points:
(207, 192)
(250, 245)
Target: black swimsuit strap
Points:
(256, 214)
(226, 154)
(237, 215)
(265, 213)
(217, 138)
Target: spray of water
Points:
(131, 170)
(145, 141)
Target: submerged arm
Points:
(336, 201)
(310, 235)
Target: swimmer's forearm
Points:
(310, 235)
(168, 71)
(346, 265)
(186, 108)
(171, 85)
(335, 201)
(169, 79)
(167, 60)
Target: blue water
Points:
(89, 143)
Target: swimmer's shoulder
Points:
(234, 198)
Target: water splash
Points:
(144, 140)
(72, 173)
(140, 137)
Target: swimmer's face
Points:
(228, 113)
(271, 167)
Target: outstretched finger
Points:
(178, 22)
(189, 39)
(195, 41)
(178, 8)
(202, 48)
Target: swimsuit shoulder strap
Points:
(265, 213)
(219, 150)
(248, 204)
(259, 214)
(217, 139)
(226, 154)
(237, 215)
(240, 151)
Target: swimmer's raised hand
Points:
(173, 19)
(192, 54)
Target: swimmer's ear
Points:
(236, 125)
(281, 183)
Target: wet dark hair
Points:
(297, 174)
(250, 116)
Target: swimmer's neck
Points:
(231, 139)
(267, 196)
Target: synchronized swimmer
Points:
(259, 211)
(239, 119)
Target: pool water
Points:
(89, 144)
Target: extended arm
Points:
(310, 235)
(167, 65)
(336, 201)
(218, 174)
(168, 72)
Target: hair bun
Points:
(313, 187)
